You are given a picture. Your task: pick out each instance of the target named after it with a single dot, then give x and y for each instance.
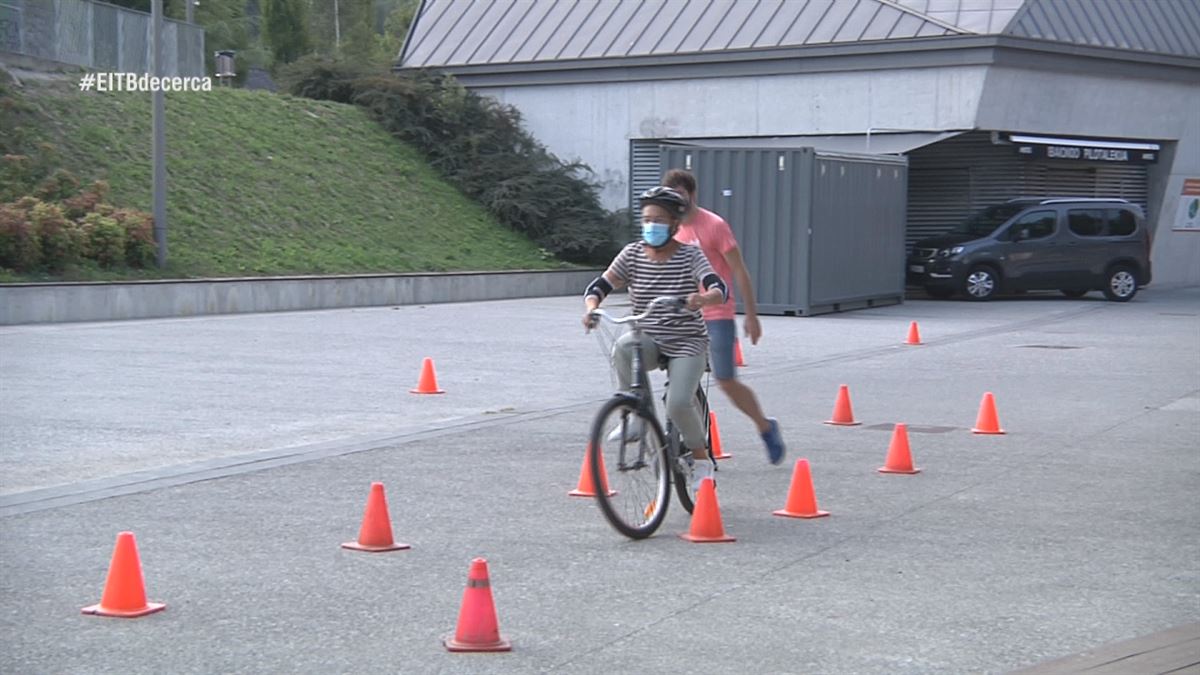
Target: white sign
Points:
(1188, 217)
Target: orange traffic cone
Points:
(715, 433)
(899, 458)
(586, 485)
(706, 517)
(375, 534)
(987, 422)
(738, 359)
(801, 502)
(843, 414)
(124, 590)
(914, 335)
(478, 630)
(428, 382)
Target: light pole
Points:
(159, 133)
(337, 27)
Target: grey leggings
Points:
(684, 373)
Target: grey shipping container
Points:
(820, 232)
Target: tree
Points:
(358, 30)
(286, 29)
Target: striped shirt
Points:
(676, 332)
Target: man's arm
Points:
(741, 278)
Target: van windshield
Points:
(984, 222)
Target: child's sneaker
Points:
(774, 441)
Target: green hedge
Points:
(58, 226)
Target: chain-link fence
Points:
(97, 35)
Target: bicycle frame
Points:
(639, 387)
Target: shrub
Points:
(20, 249)
(61, 240)
(321, 79)
(87, 201)
(36, 234)
(105, 239)
(59, 185)
(26, 204)
(16, 173)
(140, 248)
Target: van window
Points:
(1101, 222)
(985, 221)
(1121, 223)
(1087, 222)
(1035, 225)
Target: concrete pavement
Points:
(239, 450)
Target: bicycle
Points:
(632, 474)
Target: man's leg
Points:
(721, 334)
(743, 397)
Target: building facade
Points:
(988, 99)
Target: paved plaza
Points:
(240, 450)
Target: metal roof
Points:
(476, 32)
(1162, 26)
(449, 33)
(984, 17)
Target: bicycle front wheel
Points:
(628, 459)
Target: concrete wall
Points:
(594, 122)
(47, 303)
(1040, 101)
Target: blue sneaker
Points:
(774, 442)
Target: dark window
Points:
(1035, 225)
(984, 222)
(1121, 223)
(1086, 222)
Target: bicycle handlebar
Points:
(676, 302)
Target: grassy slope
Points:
(263, 184)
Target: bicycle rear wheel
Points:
(681, 474)
(631, 474)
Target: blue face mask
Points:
(656, 234)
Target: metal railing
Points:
(97, 35)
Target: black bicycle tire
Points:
(599, 428)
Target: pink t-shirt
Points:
(713, 235)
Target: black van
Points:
(1073, 245)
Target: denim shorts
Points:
(721, 334)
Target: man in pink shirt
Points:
(713, 235)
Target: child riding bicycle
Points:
(658, 265)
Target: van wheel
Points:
(1073, 292)
(980, 283)
(1121, 284)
